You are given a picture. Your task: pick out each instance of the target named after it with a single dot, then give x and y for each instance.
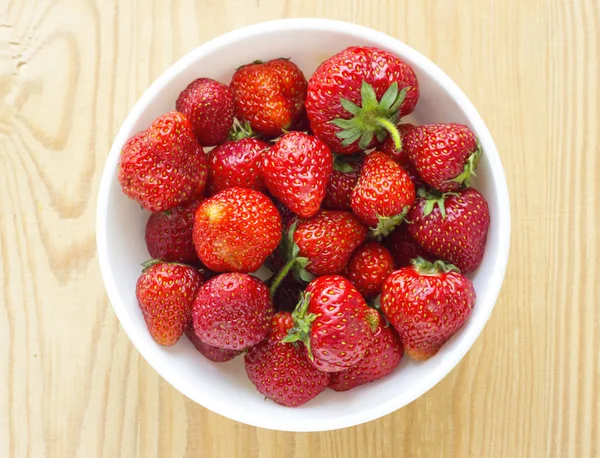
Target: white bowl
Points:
(224, 387)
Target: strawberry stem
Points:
(427, 268)
(392, 130)
(302, 324)
(281, 275)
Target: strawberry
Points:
(282, 371)
(357, 96)
(218, 355)
(269, 95)
(383, 195)
(296, 171)
(286, 297)
(169, 234)
(427, 303)
(403, 247)
(381, 358)
(368, 267)
(236, 230)
(334, 322)
(209, 106)
(452, 226)
(342, 181)
(165, 293)
(276, 260)
(163, 166)
(232, 311)
(444, 155)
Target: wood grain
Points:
(72, 385)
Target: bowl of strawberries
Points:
(303, 225)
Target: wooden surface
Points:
(71, 383)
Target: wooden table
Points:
(71, 383)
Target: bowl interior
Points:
(224, 388)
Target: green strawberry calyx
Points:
(240, 130)
(345, 163)
(424, 267)
(470, 166)
(302, 324)
(387, 224)
(433, 198)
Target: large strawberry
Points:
(282, 371)
(232, 311)
(403, 247)
(444, 155)
(216, 354)
(296, 171)
(342, 181)
(269, 95)
(368, 268)
(427, 303)
(357, 96)
(165, 293)
(163, 166)
(452, 226)
(209, 106)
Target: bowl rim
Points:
(496, 169)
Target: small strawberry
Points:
(383, 195)
(282, 371)
(452, 226)
(296, 171)
(342, 182)
(444, 155)
(334, 322)
(163, 166)
(232, 311)
(357, 96)
(165, 293)
(218, 355)
(403, 247)
(368, 268)
(236, 230)
(209, 106)
(169, 234)
(381, 358)
(269, 95)
(427, 303)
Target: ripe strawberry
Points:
(216, 354)
(209, 106)
(452, 226)
(236, 230)
(296, 171)
(383, 195)
(282, 371)
(169, 234)
(334, 322)
(403, 247)
(232, 311)
(163, 166)
(368, 268)
(269, 95)
(427, 303)
(381, 358)
(357, 96)
(165, 293)
(444, 155)
(342, 181)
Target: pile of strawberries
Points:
(368, 224)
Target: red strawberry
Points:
(269, 95)
(169, 234)
(209, 106)
(334, 322)
(236, 230)
(342, 181)
(163, 166)
(403, 247)
(452, 226)
(296, 171)
(357, 96)
(427, 303)
(383, 195)
(165, 293)
(368, 267)
(281, 371)
(444, 155)
(381, 358)
(216, 354)
(232, 311)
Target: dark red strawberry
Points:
(296, 171)
(163, 166)
(232, 311)
(282, 371)
(452, 226)
(368, 268)
(342, 182)
(403, 247)
(357, 96)
(165, 293)
(287, 295)
(444, 155)
(269, 95)
(209, 106)
(381, 358)
(276, 260)
(427, 303)
(235, 230)
(218, 355)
